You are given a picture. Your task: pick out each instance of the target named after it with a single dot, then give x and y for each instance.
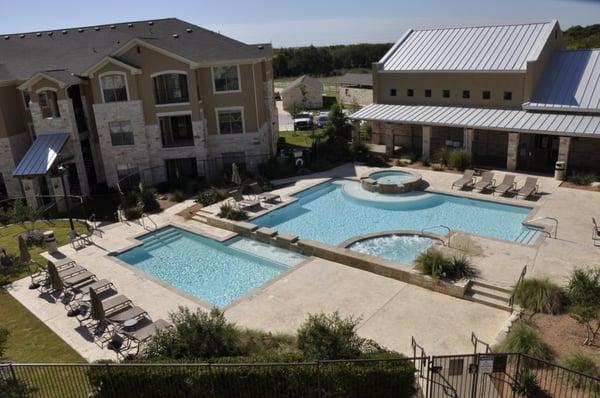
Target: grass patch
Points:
(303, 139)
(525, 338)
(540, 295)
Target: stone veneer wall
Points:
(354, 95)
(12, 150)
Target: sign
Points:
(486, 364)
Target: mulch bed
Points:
(190, 211)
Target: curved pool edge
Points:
(400, 232)
(410, 184)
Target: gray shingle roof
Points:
(307, 81)
(76, 49)
(483, 118)
(356, 79)
(571, 83)
(484, 48)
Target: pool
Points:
(218, 273)
(392, 177)
(341, 209)
(400, 248)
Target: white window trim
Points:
(168, 72)
(172, 105)
(175, 113)
(230, 108)
(39, 90)
(100, 76)
(239, 76)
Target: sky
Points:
(296, 23)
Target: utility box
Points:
(560, 171)
(50, 241)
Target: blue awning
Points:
(41, 155)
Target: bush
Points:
(527, 384)
(540, 295)
(332, 337)
(211, 196)
(133, 213)
(583, 292)
(436, 264)
(196, 335)
(3, 340)
(582, 363)
(177, 196)
(232, 213)
(147, 197)
(524, 338)
(580, 177)
(459, 159)
(442, 155)
(14, 388)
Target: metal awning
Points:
(41, 155)
(484, 118)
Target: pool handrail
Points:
(511, 300)
(551, 219)
(438, 226)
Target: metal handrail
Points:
(511, 300)
(551, 219)
(146, 215)
(437, 226)
(476, 341)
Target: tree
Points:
(337, 128)
(583, 292)
(21, 214)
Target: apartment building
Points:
(163, 98)
(510, 95)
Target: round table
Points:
(130, 323)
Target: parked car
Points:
(303, 121)
(321, 119)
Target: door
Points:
(178, 170)
(538, 153)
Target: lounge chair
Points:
(67, 281)
(80, 296)
(466, 180)
(78, 240)
(241, 203)
(265, 196)
(595, 233)
(487, 181)
(41, 277)
(508, 184)
(529, 188)
(125, 340)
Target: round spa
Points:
(391, 181)
(399, 247)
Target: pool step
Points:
(527, 236)
(490, 295)
(200, 218)
(161, 239)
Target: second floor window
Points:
(26, 98)
(176, 131)
(48, 104)
(171, 88)
(486, 95)
(410, 92)
(114, 88)
(230, 121)
(446, 93)
(507, 95)
(428, 92)
(121, 133)
(226, 78)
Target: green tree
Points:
(583, 292)
(337, 128)
(23, 214)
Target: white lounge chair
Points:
(487, 181)
(529, 188)
(466, 180)
(508, 184)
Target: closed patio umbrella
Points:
(55, 279)
(235, 175)
(97, 309)
(24, 255)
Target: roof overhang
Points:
(140, 42)
(111, 60)
(41, 155)
(39, 76)
(559, 108)
(509, 120)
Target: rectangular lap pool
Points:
(339, 210)
(218, 273)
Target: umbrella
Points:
(24, 255)
(55, 279)
(235, 175)
(97, 310)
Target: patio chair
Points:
(265, 196)
(487, 181)
(529, 188)
(466, 180)
(508, 184)
(80, 296)
(41, 277)
(67, 281)
(595, 232)
(77, 240)
(241, 203)
(125, 340)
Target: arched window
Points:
(48, 104)
(171, 88)
(114, 87)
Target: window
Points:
(3, 191)
(410, 92)
(466, 94)
(26, 98)
(128, 176)
(226, 78)
(48, 104)
(507, 95)
(171, 88)
(428, 92)
(114, 87)
(486, 95)
(239, 158)
(121, 133)
(392, 92)
(230, 121)
(181, 169)
(446, 93)
(176, 131)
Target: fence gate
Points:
(472, 376)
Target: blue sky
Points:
(292, 23)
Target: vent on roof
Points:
(175, 36)
(6, 37)
(130, 25)
(38, 34)
(261, 47)
(64, 32)
(97, 28)
(80, 30)
(188, 30)
(151, 23)
(112, 26)
(50, 33)
(22, 36)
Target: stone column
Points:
(388, 133)
(59, 193)
(564, 147)
(31, 188)
(426, 142)
(512, 152)
(468, 141)
(356, 132)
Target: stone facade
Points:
(12, 148)
(512, 151)
(354, 95)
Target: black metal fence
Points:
(453, 376)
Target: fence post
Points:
(319, 378)
(517, 375)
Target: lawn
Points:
(302, 139)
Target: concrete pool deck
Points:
(391, 311)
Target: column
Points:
(388, 133)
(31, 187)
(512, 152)
(355, 132)
(564, 147)
(468, 141)
(426, 142)
(59, 193)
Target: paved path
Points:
(286, 122)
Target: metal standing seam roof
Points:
(483, 118)
(484, 48)
(41, 155)
(571, 83)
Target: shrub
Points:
(425, 161)
(436, 264)
(232, 213)
(583, 292)
(524, 338)
(540, 295)
(196, 335)
(442, 155)
(178, 196)
(580, 177)
(438, 167)
(147, 197)
(211, 196)
(581, 363)
(527, 384)
(459, 159)
(332, 337)
(14, 388)
(3, 340)
(133, 213)
(461, 267)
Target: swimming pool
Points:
(400, 248)
(339, 210)
(218, 273)
(392, 177)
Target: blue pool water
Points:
(215, 272)
(336, 211)
(400, 248)
(391, 177)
